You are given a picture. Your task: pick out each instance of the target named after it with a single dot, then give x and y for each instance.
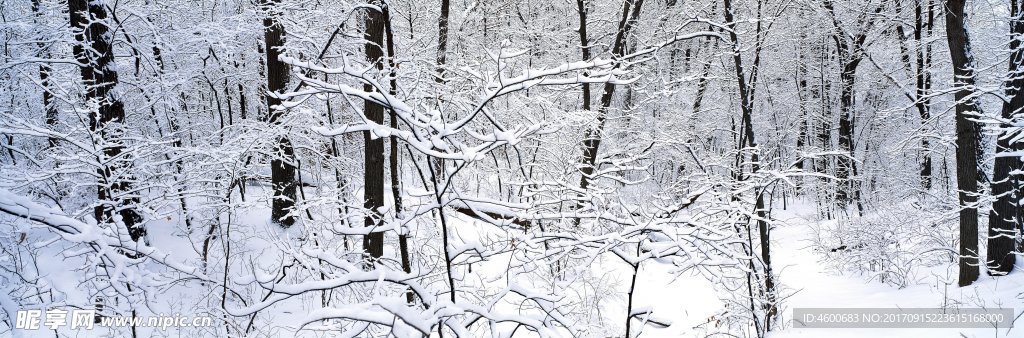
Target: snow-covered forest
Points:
(508, 168)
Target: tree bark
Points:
(584, 46)
(1005, 216)
(846, 167)
(966, 138)
(442, 40)
(850, 49)
(94, 53)
(373, 164)
(44, 78)
(921, 71)
(747, 141)
(802, 92)
(923, 30)
(442, 60)
(396, 174)
(282, 167)
(592, 138)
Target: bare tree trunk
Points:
(702, 88)
(242, 111)
(824, 164)
(629, 295)
(592, 139)
(396, 174)
(1005, 217)
(282, 167)
(581, 9)
(922, 74)
(802, 92)
(584, 45)
(846, 167)
(442, 60)
(442, 40)
(94, 53)
(44, 78)
(850, 49)
(922, 31)
(966, 138)
(373, 165)
(746, 92)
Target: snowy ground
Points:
(690, 302)
(810, 284)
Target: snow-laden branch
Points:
(114, 247)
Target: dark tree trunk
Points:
(1004, 219)
(396, 174)
(966, 138)
(242, 112)
(846, 167)
(282, 167)
(923, 30)
(584, 45)
(94, 52)
(373, 165)
(746, 92)
(802, 92)
(592, 139)
(48, 104)
(227, 97)
(824, 126)
(702, 88)
(581, 9)
(850, 49)
(442, 40)
(44, 79)
(442, 60)
(821, 129)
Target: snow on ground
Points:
(688, 300)
(813, 285)
(809, 283)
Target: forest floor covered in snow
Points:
(809, 282)
(808, 275)
(691, 303)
